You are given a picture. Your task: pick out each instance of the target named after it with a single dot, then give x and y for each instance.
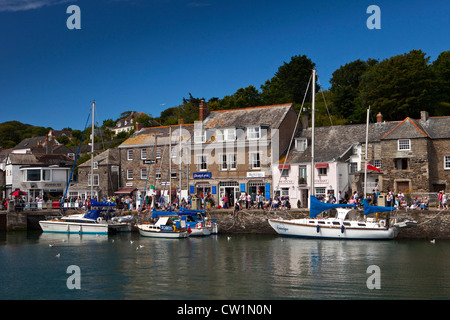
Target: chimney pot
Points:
(203, 110)
(423, 115)
(379, 117)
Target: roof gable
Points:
(408, 128)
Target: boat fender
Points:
(199, 225)
(318, 228)
(99, 219)
(382, 223)
(342, 228)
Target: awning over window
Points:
(125, 191)
(321, 165)
(284, 166)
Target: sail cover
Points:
(368, 209)
(317, 207)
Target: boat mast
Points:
(92, 152)
(365, 163)
(313, 111)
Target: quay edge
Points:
(431, 224)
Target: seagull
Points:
(433, 241)
(131, 241)
(58, 255)
(51, 245)
(228, 238)
(141, 246)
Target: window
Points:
(404, 144)
(143, 154)
(201, 163)
(446, 162)
(284, 192)
(255, 161)
(143, 173)
(284, 172)
(401, 163)
(227, 161)
(199, 136)
(96, 180)
(158, 153)
(158, 174)
(302, 175)
(173, 174)
(253, 133)
(353, 167)
(301, 144)
(219, 135)
(129, 174)
(377, 163)
(130, 154)
(229, 134)
(173, 152)
(322, 171)
(34, 175)
(320, 191)
(46, 175)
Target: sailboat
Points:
(340, 226)
(100, 218)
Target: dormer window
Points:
(301, 144)
(229, 134)
(253, 133)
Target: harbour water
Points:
(37, 266)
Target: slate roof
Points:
(108, 157)
(40, 159)
(333, 142)
(271, 115)
(146, 136)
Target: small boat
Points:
(199, 223)
(100, 219)
(167, 225)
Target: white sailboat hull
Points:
(328, 230)
(60, 226)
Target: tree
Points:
(441, 71)
(290, 82)
(345, 83)
(398, 87)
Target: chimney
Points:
(138, 126)
(203, 110)
(423, 115)
(304, 122)
(379, 117)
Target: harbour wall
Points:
(431, 224)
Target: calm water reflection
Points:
(219, 267)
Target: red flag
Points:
(372, 167)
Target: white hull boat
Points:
(161, 229)
(334, 228)
(76, 223)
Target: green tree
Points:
(398, 87)
(345, 83)
(441, 71)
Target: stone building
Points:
(232, 150)
(159, 157)
(105, 177)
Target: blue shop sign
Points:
(202, 175)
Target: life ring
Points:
(99, 219)
(382, 223)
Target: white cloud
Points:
(23, 5)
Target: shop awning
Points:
(321, 165)
(284, 166)
(125, 191)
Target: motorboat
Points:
(100, 219)
(199, 223)
(167, 225)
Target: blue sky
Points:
(146, 55)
